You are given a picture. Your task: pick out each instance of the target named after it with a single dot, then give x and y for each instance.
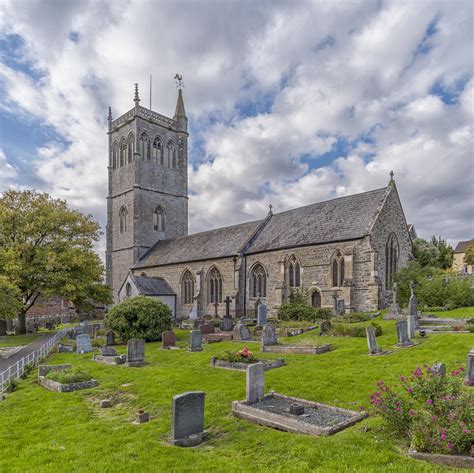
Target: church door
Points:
(316, 299)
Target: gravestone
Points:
(402, 334)
(108, 351)
(226, 324)
(187, 423)
(3, 327)
(207, 328)
(412, 303)
(269, 335)
(374, 348)
(198, 323)
(411, 322)
(394, 311)
(439, 369)
(195, 340)
(83, 343)
(241, 333)
(110, 338)
(255, 384)
(168, 339)
(340, 307)
(324, 327)
(470, 368)
(87, 328)
(78, 330)
(227, 302)
(135, 352)
(193, 313)
(261, 315)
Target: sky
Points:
(288, 102)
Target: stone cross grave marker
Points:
(207, 328)
(261, 315)
(470, 368)
(168, 339)
(402, 333)
(187, 424)
(110, 338)
(255, 384)
(269, 335)
(374, 348)
(195, 340)
(227, 301)
(135, 352)
(241, 332)
(83, 343)
(216, 306)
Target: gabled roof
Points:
(461, 247)
(343, 218)
(152, 286)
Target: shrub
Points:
(73, 375)
(431, 410)
(140, 317)
(344, 330)
(241, 356)
(356, 317)
(470, 327)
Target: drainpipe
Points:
(245, 286)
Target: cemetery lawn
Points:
(455, 313)
(42, 431)
(19, 340)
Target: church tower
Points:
(148, 184)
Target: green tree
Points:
(46, 249)
(10, 299)
(469, 255)
(446, 252)
(435, 253)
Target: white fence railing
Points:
(17, 369)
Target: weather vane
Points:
(179, 81)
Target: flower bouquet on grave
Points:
(242, 356)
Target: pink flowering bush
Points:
(431, 410)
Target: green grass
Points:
(73, 375)
(18, 340)
(462, 312)
(42, 431)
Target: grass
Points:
(43, 431)
(462, 312)
(18, 340)
(67, 376)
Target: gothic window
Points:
(337, 269)
(258, 281)
(171, 151)
(187, 288)
(123, 152)
(294, 272)
(391, 259)
(128, 289)
(114, 156)
(131, 147)
(145, 146)
(158, 150)
(214, 285)
(159, 219)
(123, 219)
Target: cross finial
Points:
(391, 176)
(179, 81)
(270, 207)
(137, 98)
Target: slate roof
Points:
(344, 218)
(152, 286)
(461, 247)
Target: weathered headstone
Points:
(255, 383)
(411, 323)
(340, 307)
(3, 327)
(241, 333)
(412, 303)
(168, 339)
(108, 351)
(193, 313)
(402, 334)
(110, 338)
(439, 369)
(324, 327)
(470, 368)
(195, 340)
(394, 310)
(187, 424)
(207, 328)
(83, 343)
(269, 335)
(374, 348)
(88, 328)
(142, 417)
(261, 315)
(135, 352)
(226, 324)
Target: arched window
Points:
(158, 150)
(145, 146)
(123, 152)
(131, 147)
(128, 289)
(123, 219)
(337, 270)
(171, 151)
(294, 272)
(115, 155)
(258, 281)
(214, 285)
(391, 259)
(159, 219)
(187, 288)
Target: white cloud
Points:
(7, 171)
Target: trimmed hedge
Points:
(302, 312)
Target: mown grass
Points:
(455, 313)
(42, 431)
(18, 340)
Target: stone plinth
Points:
(298, 350)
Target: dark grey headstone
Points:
(255, 384)
(135, 350)
(83, 343)
(3, 327)
(207, 328)
(226, 324)
(108, 351)
(195, 340)
(269, 335)
(241, 332)
(402, 333)
(188, 415)
(110, 338)
(261, 315)
(340, 307)
(372, 341)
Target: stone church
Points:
(346, 248)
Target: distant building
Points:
(458, 261)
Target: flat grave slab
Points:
(110, 360)
(217, 337)
(273, 410)
(237, 366)
(298, 349)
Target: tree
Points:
(435, 253)
(10, 299)
(446, 252)
(46, 249)
(469, 255)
